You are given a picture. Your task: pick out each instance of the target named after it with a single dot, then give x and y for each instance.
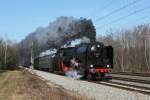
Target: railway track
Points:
(133, 74)
(132, 80)
(134, 88)
(135, 82)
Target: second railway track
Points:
(143, 90)
(133, 74)
(136, 83)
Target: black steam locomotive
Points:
(90, 60)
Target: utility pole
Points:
(5, 58)
(146, 47)
(145, 53)
(31, 59)
(149, 47)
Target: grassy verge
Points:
(21, 85)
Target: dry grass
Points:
(21, 85)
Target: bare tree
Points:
(131, 49)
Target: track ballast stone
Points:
(91, 90)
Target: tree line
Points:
(8, 54)
(131, 49)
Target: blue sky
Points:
(20, 17)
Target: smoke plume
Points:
(57, 33)
(64, 29)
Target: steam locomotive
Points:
(90, 60)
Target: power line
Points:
(117, 10)
(104, 7)
(130, 14)
(141, 19)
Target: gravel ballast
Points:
(91, 90)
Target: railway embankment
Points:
(22, 85)
(90, 89)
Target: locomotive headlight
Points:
(108, 66)
(98, 45)
(91, 66)
(92, 48)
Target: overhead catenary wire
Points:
(118, 10)
(141, 19)
(126, 16)
(104, 7)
